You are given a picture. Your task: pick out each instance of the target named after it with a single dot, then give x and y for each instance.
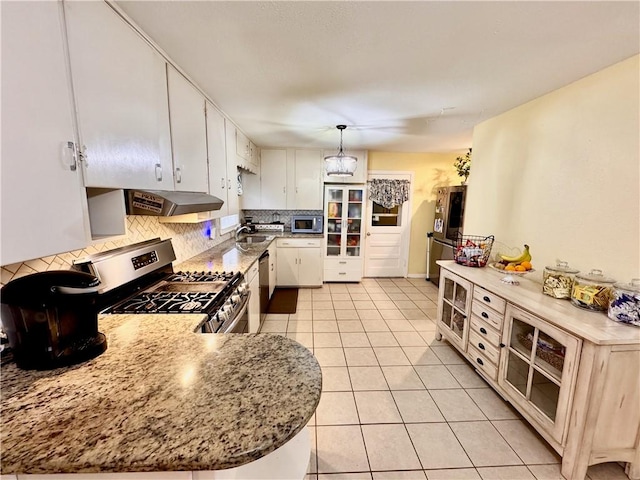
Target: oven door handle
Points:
(236, 319)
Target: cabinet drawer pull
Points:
(483, 330)
(342, 263)
(342, 273)
(485, 315)
(479, 360)
(502, 345)
(178, 175)
(486, 299)
(481, 346)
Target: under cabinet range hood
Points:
(163, 203)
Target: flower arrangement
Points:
(463, 165)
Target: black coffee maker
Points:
(51, 319)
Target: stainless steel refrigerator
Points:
(447, 224)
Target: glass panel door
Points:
(354, 222)
(334, 221)
(534, 366)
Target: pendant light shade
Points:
(340, 165)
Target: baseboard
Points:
(417, 275)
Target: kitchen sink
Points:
(254, 239)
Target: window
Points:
(386, 217)
(229, 223)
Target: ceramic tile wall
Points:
(188, 240)
(267, 216)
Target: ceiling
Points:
(404, 76)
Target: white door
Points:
(388, 230)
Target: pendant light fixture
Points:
(340, 165)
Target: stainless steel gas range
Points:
(139, 278)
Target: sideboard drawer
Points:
(484, 331)
(489, 299)
(481, 362)
(488, 314)
(492, 352)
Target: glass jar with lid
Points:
(592, 291)
(625, 303)
(557, 280)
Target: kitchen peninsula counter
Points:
(161, 398)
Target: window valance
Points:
(387, 192)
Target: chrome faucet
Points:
(240, 229)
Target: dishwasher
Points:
(263, 276)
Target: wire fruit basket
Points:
(472, 250)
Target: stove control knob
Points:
(227, 309)
(221, 317)
(235, 299)
(242, 289)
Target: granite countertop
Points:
(232, 256)
(161, 398)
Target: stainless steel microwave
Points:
(306, 224)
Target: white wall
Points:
(562, 174)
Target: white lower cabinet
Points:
(299, 262)
(273, 275)
(253, 280)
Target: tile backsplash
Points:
(267, 216)
(188, 239)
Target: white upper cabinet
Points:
(289, 179)
(273, 180)
(216, 152)
(188, 134)
(42, 197)
(121, 92)
(233, 203)
(360, 175)
(307, 188)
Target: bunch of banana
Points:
(517, 263)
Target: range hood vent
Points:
(167, 204)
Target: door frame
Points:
(406, 233)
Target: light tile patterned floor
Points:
(398, 404)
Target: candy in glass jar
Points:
(557, 280)
(625, 304)
(592, 291)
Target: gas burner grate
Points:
(201, 277)
(166, 302)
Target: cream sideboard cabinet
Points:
(574, 375)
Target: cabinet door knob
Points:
(483, 330)
(502, 345)
(486, 299)
(485, 315)
(479, 360)
(481, 346)
(368, 234)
